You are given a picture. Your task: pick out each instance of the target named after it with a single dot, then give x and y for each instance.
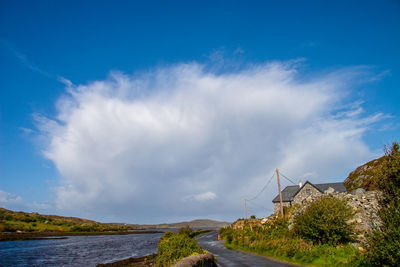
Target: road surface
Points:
(228, 257)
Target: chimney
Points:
(300, 184)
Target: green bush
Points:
(186, 231)
(384, 243)
(325, 221)
(176, 246)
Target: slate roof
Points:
(339, 187)
(287, 194)
(291, 191)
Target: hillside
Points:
(366, 175)
(12, 221)
(192, 224)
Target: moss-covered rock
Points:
(366, 175)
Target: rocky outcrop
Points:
(200, 260)
(239, 224)
(366, 175)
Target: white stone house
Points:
(297, 194)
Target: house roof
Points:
(287, 194)
(339, 187)
(291, 191)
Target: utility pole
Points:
(245, 209)
(280, 193)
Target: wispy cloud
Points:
(201, 197)
(7, 198)
(238, 50)
(24, 60)
(15, 202)
(309, 44)
(380, 75)
(65, 81)
(205, 196)
(26, 131)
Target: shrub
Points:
(324, 221)
(277, 228)
(186, 231)
(384, 243)
(2, 227)
(8, 217)
(176, 246)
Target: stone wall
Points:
(366, 207)
(239, 224)
(277, 206)
(200, 260)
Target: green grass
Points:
(276, 241)
(11, 221)
(176, 246)
(317, 255)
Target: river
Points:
(77, 250)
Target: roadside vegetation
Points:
(176, 246)
(318, 237)
(383, 248)
(321, 234)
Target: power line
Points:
(287, 178)
(260, 206)
(262, 190)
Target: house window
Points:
(308, 192)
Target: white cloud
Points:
(65, 81)
(205, 196)
(201, 197)
(16, 203)
(7, 198)
(132, 147)
(26, 131)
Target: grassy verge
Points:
(276, 241)
(320, 255)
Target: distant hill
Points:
(366, 175)
(203, 223)
(12, 221)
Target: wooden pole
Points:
(280, 193)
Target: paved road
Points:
(228, 257)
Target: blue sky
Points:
(44, 45)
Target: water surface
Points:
(77, 250)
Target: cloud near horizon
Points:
(181, 142)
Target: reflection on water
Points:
(77, 250)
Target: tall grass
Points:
(275, 240)
(176, 246)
